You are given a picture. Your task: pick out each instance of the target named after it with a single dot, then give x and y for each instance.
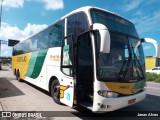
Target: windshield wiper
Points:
(140, 67)
(124, 70)
(120, 74)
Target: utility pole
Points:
(1, 42)
(0, 31)
(0, 56)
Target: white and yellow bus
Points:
(90, 57)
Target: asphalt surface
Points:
(22, 96)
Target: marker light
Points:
(108, 94)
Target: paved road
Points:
(16, 96)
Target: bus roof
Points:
(84, 9)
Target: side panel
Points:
(21, 62)
(50, 68)
(66, 90)
(30, 65)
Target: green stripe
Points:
(139, 84)
(32, 63)
(36, 63)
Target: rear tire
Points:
(18, 76)
(15, 72)
(55, 91)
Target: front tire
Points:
(55, 91)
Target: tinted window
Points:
(85, 50)
(77, 24)
(48, 38)
(113, 22)
(56, 34)
(33, 43)
(29, 45)
(42, 40)
(18, 49)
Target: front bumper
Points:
(102, 104)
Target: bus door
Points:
(67, 82)
(84, 70)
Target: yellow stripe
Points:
(123, 88)
(21, 62)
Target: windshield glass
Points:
(126, 59)
(113, 22)
(124, 62)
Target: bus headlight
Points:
(105, 93)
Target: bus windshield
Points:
(125, 62)
(113, 22)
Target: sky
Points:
(22, 18)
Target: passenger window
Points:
(42, 40)
(33, 45)
(56, 34)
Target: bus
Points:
(91, 57)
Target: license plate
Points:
(131, 101)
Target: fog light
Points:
(102, 106)
(105, 93)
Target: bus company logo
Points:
(22, 59)
(55, 57)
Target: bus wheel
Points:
(55, 91)
(18, 76)
(15, 72)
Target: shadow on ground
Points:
(150, 105)
(7, 89)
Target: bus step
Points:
(87, 105)
(90, 96)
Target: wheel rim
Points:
(56, 91)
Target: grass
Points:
(153, 77)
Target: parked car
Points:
(154, 70)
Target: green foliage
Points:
(153, 77)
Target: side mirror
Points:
(104, 37)
(143, 40)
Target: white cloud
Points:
(52, 4)
(132, 4)
(13, 32)
(147, 23)
(13, 3)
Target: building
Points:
(153, 61)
